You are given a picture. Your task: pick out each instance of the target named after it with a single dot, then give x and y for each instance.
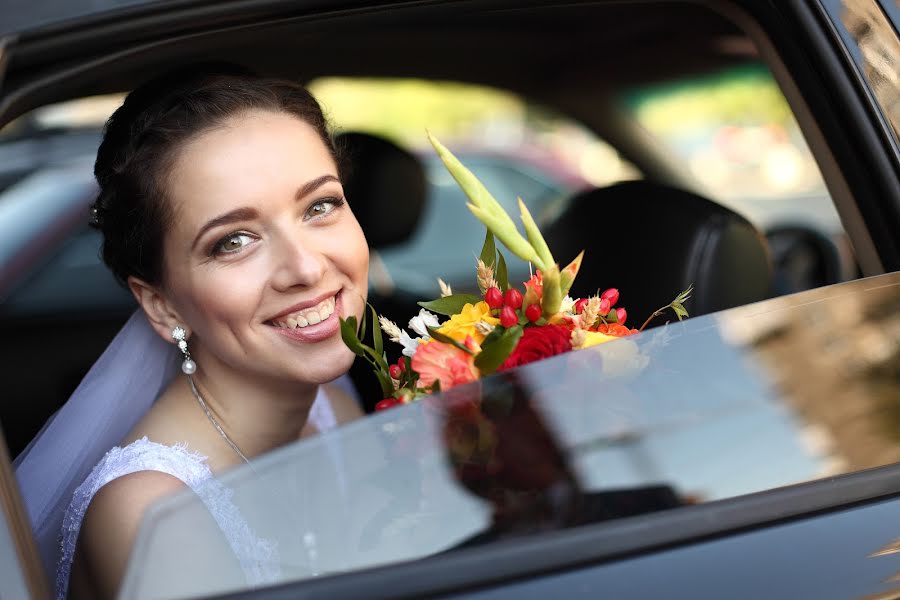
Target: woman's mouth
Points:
(308, 316)
(311, 324)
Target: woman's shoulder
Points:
(135, 475)
(118, 492)
(145, 455)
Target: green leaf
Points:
(362, 327)
(502, 275)
(684, 296)
(485, 207)
(534, 235)
(492, 337)
(493, 355)
(488, 250)
(446, 339)
(678, 303)
(680, 311)
(387, 388)
(377, 340)
(552, 297)
(377, 360)
(506, 232)
(348, 334)
(450, 305)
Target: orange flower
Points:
(536, 283)
(534, 289)
(436, 361)
(615, 329)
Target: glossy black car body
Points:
(826, 538)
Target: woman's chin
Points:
(325, 366)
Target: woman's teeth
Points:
(307, 316)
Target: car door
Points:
(813, 48)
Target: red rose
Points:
(537, 343)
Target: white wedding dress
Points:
(258, 557)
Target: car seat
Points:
(652, 241)
(386, 187)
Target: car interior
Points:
(656, 236)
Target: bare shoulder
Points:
(111, 524)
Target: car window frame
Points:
(16, 538)
(522, 558)
(845, 490)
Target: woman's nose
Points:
(297, 263)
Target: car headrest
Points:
(385, 186)
(652, 241)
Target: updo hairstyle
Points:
(143, 137)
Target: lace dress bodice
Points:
(258, 557)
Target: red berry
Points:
(508, 317)
(513, 298)
(621, 315)
(533, 312)
(402, 364)
(395, 371)
(612, 294)
(387, 403)
(604, 306)
(494, 297)
(579, 305)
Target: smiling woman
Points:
(222, 210)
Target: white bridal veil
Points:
(117, 391)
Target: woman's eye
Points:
(232, 243)
(323, 207)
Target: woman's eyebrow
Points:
(248, 213)
(310, 186)
(245, 213)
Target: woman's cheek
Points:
(357, 250)
(230, 293)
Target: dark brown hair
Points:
(142, 139)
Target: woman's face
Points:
(264, 254)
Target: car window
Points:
(734, 131)
(517, 148)
(622, 429)
(719, 406)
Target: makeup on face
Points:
(265, 254)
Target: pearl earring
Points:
(180, 336)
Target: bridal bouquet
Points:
(460, 338)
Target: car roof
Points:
(130, 45)
(571, 58)
(26, 15)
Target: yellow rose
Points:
(463, 324)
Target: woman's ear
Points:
(160, 312)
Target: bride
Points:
(222, 210)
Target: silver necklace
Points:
(309, 538)
(213, 420)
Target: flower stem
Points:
(655, 314)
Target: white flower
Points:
(484, 327)
(390, 328)
(567, 305)
(421, 323)
(409, 344)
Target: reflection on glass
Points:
(762, 396)
(879, 50)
